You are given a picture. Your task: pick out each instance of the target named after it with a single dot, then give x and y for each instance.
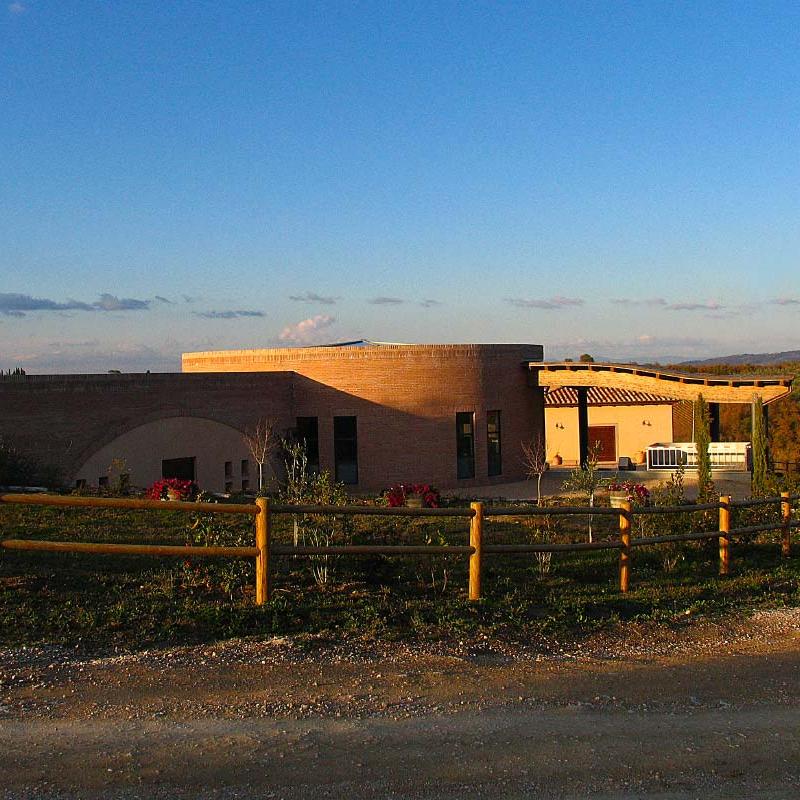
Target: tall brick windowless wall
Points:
(405, 399)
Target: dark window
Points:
(228, 469)
(245, 484)
(181, 468)
(345, 449)
(493, 443)
(228, 487)
(102, 481)
(80, 483)
(465, 444)
(245, 468)
(308, 434)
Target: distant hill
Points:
(749, 358)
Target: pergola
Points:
(715, 389)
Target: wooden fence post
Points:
(724, 538)
(786, 528)
(262, 544)
(476, 542)
(625, 511)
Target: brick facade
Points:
(405, 398)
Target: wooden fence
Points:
(477, 549)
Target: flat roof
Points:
(654, 380)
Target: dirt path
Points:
(638, 712)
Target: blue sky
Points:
(617, 178)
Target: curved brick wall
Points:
(405, 398)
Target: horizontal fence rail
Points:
(478, 515)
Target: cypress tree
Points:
(702, 439)
(759, 453)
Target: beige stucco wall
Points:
(632, 434)
(210, 443)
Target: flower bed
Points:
(171, 489)
(636, 493)
(403, 494)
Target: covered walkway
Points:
(582, 377)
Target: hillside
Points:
(784, 415)
(756, 359)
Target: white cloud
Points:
(307, 331)
(17, 8)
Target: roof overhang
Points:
(677, 385)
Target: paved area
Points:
(736, 484)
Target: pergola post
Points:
(583, 425)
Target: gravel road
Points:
(693, 710)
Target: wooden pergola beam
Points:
(680, 386)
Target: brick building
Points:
(452, 415)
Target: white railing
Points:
(733, 456)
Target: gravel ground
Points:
(695, 709)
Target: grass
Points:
(105, 602)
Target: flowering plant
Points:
(636, 492)
(397, 494)
(162, 489)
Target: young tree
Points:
(587, 479)
(702, 439)
(262, 440)
(759, 452)
(534, 459)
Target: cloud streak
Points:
(228, 314)
(650, 301)
(307, 331)
(313, 297)
(554, 303)
(13, 304)
(709, 305)
(386, 301)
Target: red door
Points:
(605, 438)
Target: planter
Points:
(557, 460)
(414, 501)
(640, 457)
(617, 499)
(173, 494)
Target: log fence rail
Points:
(477, 549)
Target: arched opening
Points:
(212, 454)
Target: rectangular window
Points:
(465, 444)
(228, 469)
(493, 443)
(245, 468)
(345, 449)
(228, 487)
(308, 434)
(245, 484)
(102, 481)
(181, 468)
